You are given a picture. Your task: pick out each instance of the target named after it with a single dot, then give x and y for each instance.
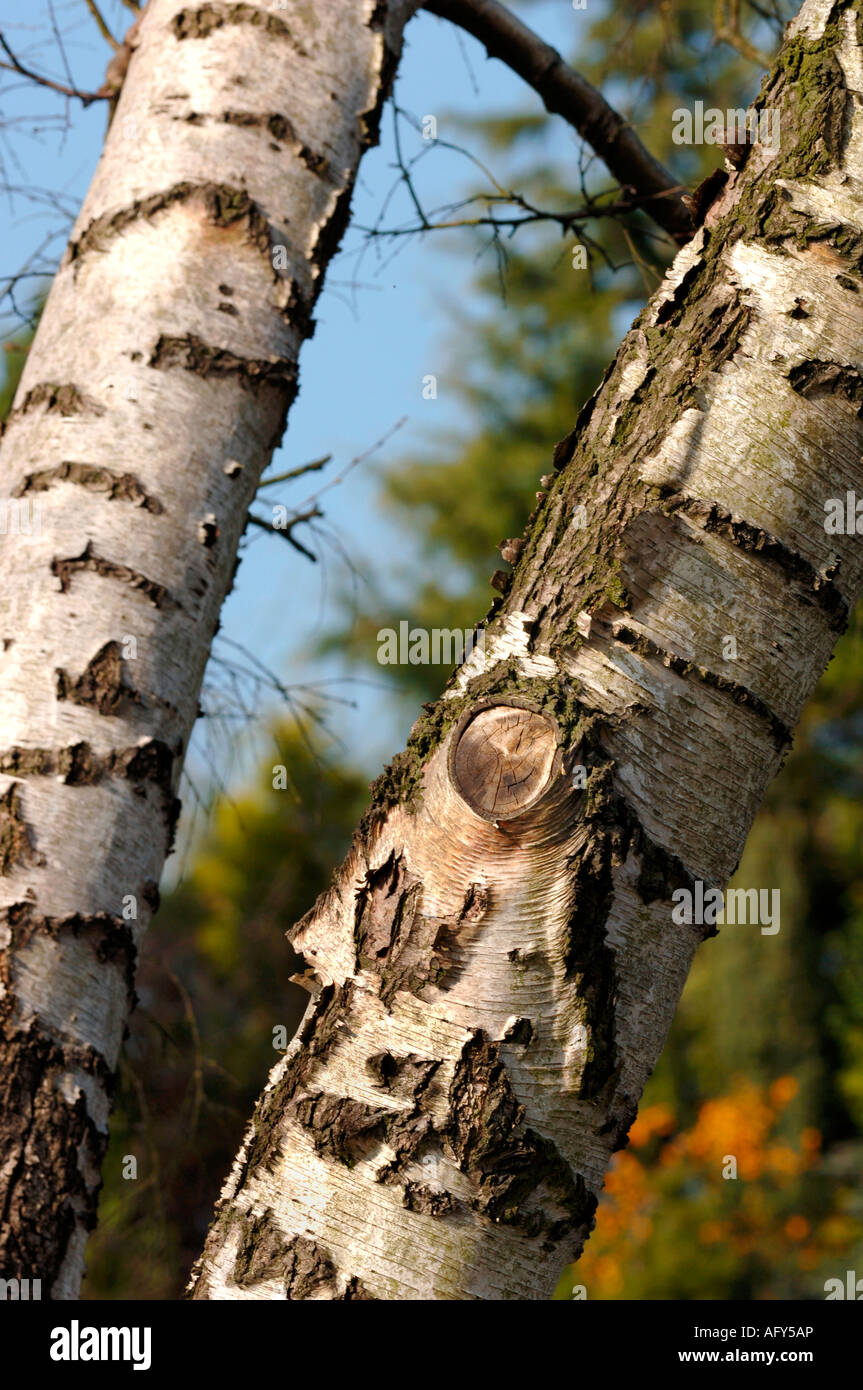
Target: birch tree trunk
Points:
(496, 965)
(153, 396)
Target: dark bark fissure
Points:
(520, 1177)
(193, 355)
(101, 685)
(115, 487)
(304, 1269)
(151, 763)
(690, 670)
(16, 845)
(317, 1034)
(818, 585)
(58, 398)
(51, 1145)
(201, 21)
(65, 567)
(275, 124)
(111, 938)
(222, 204)
(816, 378)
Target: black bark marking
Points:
(589, 959)
(428, 1201)
(65, 567)
(200, 22)
(58, 398)
(814, 378)
(348, 1130)
(341, 1128)
(193, 355)
(101, 684)
(521, 1032)
(382, 902)
(620, 1120)
(710, 517)
(612, 818)
(115, 73)
(614, 833)
(516, 1172)
(46, 1142)
(316, 1036)
(330, 234)
(383, 1067)
(302, 1266)
(387, 906)
(117, 487)
(222, 204)
(110, 938)
(402, 1076)
(705, 195)
(208, 531)
(16, 846)
(356, 1292)
(688, 670)
(150, 763)
(150, 894)
(454, 936)
(394, 939)
(281, 129)
(298, 311)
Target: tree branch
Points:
(86, 98)
(730, 33)
(286, 531)
(102, 24)
(566, 93)
(314, 467)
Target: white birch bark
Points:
(496, 966)
(152, 398)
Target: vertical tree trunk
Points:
(153, 396)
(497, 963)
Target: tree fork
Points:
(496, 964)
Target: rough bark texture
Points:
(153, 396)
(497, 961)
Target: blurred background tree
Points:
(764, 1063)
(215, 1000)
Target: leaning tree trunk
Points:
(153, 396)
(496, 967)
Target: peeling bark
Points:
(497, 961)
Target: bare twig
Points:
(358, 459)
(314, 467)
(102, 25)
(443, 218)
(86, 98)
(728, 31)
(566, 93)
(565, 220)
(406, 179)
(286, 531)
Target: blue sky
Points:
(362, 372)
